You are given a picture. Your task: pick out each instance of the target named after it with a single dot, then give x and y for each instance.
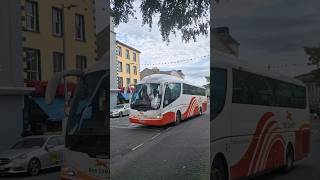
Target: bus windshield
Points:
(147, 97)
(87, 126)
(219, 88)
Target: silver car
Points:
(32, 154)
(120, 110)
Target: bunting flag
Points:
(185, 61)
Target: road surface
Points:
(180, 152)
(171, 152)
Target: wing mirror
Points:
(48, 147)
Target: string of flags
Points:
(269, 66)
(200, 58)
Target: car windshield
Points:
(147, 97)
(29, 143)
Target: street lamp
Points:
(66, 96)
(63, 7)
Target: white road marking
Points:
(158, 134)
(137, 147)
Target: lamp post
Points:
(63, 7)
(66, 96)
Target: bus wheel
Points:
(178, 118)
(218, 170)
(200, 111)
(289, 159)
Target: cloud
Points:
(155, 51)
(272, 31)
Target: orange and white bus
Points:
(259, 120)
(86, 128)
(161, 99)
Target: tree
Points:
(314, 58)
(190, 17)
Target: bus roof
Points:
(221, 59)
(163, 78)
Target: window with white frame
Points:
(31, 9)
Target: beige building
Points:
(128, 64)
(313, 89)
(57, 35)
(147, 72)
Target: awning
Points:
(55, 111)
(124, 96)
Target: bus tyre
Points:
(178, 118)
(34, 167)
(289, 159)
(218, 170)
(200, 111)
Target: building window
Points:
(81, 62)
(134, 56)
(58, 62)
(128, 68)
(127, 54)
(135, 81)
(32, 64)
(119, 66)
(32, 16)
(57, 21)
(135, 70)
(120, 82)
(128, 81)
(80, 27)
(119, 51)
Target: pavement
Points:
(50, 174)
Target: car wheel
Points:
(178, 118)
(218, 170)
(34, 167)
(120, 114)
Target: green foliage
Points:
(190, 17)
(314, 58)
(208, 79)
(314, 55)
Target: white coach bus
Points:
(259, 120)
(86, 129)
(163, 99)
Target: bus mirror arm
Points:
(55, 80)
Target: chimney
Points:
(231, 46)
(221, 30)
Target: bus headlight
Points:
(159, 116)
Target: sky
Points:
(155, 51)
(272, 31)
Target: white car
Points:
(120, 110)
(32, 154)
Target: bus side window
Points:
(172, 92)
